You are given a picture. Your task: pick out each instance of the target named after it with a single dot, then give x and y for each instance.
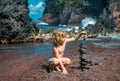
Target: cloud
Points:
(39, 5)
(36, 9)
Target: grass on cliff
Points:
(63, 2)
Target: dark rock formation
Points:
(109, 18)
(84, 63)
(14, 21)
(115, 9)
(71, 13)
(107, 13)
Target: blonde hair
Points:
(58, 36)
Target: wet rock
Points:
(95, 62)
(84, 65)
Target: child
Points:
(58, 62)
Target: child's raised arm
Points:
(82, 34)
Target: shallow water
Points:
(46, 47)
(107, 43)
(27, 48)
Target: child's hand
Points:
(84, 32)
(84, 35)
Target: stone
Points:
(14, 20)
(95, 62)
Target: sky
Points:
(36, 8)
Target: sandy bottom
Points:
(16, 67)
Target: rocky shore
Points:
(15, 24)
(17, 27)
(25, 67)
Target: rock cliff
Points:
(71, 13)
(110, 16)
(107, 13)
(14, 21)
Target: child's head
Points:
(58, 36)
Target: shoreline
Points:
(35, 67)
(46, 35)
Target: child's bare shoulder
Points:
(54, 48)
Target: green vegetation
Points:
(63, 2)
(58, 4)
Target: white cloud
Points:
(36, 9)
(39, 5)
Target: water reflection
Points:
(31, 48)
(107, 43)
(46, 47)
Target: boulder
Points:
(14, 21)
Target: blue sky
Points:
(36, 8)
